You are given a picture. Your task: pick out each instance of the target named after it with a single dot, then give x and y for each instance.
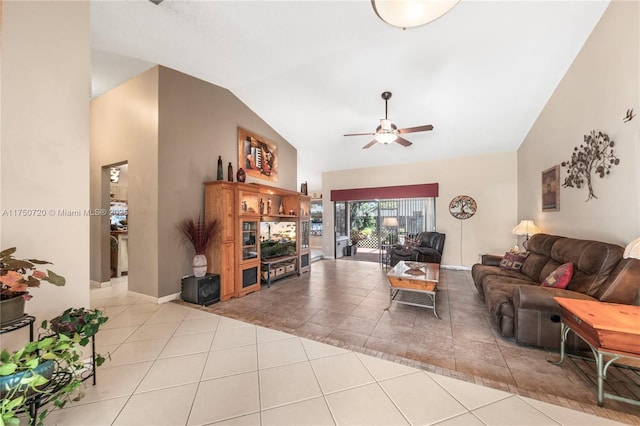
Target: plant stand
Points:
(59, 380)
(25, 320)
(89, 372)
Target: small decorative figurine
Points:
(241, 175)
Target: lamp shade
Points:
(411, 13)
(633, 249)
(390, 221)
(526, 227)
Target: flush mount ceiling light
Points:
(411, 13)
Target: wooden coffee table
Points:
(414, 283)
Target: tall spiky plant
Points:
(198, 232)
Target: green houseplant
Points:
(82, 321)
(50, 369)
(354, 239)
(17, 276)
(200, 234)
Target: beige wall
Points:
(601, 84)
(489, 179)
(171, 128)
(124, 127)
(45, 145)
(198, 123)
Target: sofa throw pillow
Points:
(411, 243)
(513, 261)
(560, 277)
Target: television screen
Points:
(277, 239)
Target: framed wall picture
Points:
(551, 189)
(257, 155)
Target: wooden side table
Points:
(611, 330)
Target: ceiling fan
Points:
(388, 132)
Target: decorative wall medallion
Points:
(594, 156)
(462, 207)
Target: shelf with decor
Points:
(249, 200)
(278, 267)
(278, 216)
(246, 213)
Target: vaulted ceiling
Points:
(314, 70)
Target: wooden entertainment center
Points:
(235, 254)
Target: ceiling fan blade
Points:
(360, 134)
(370, 144)
(403, 141)
(416, 129)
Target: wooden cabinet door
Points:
(228, 214)
(227, 273)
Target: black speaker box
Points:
(202, 291)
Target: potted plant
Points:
(47, 370)
(82, 321)
(200, 234)
(354, 239)
(16, 277)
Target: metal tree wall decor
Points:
(594, 156)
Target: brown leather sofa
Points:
(520, 308)
(429, 250)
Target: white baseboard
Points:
(169, 298)
(156, 300)
(96, 284)
(456, 267)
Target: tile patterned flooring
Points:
(174, 364)
(342, 303)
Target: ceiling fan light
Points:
(385, 138)
(411, 13)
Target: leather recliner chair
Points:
(429, 250)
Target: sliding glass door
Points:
(389, 221)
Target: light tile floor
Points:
(175, 365)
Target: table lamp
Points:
(391, 222)
(633, 249)
(526, 228)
